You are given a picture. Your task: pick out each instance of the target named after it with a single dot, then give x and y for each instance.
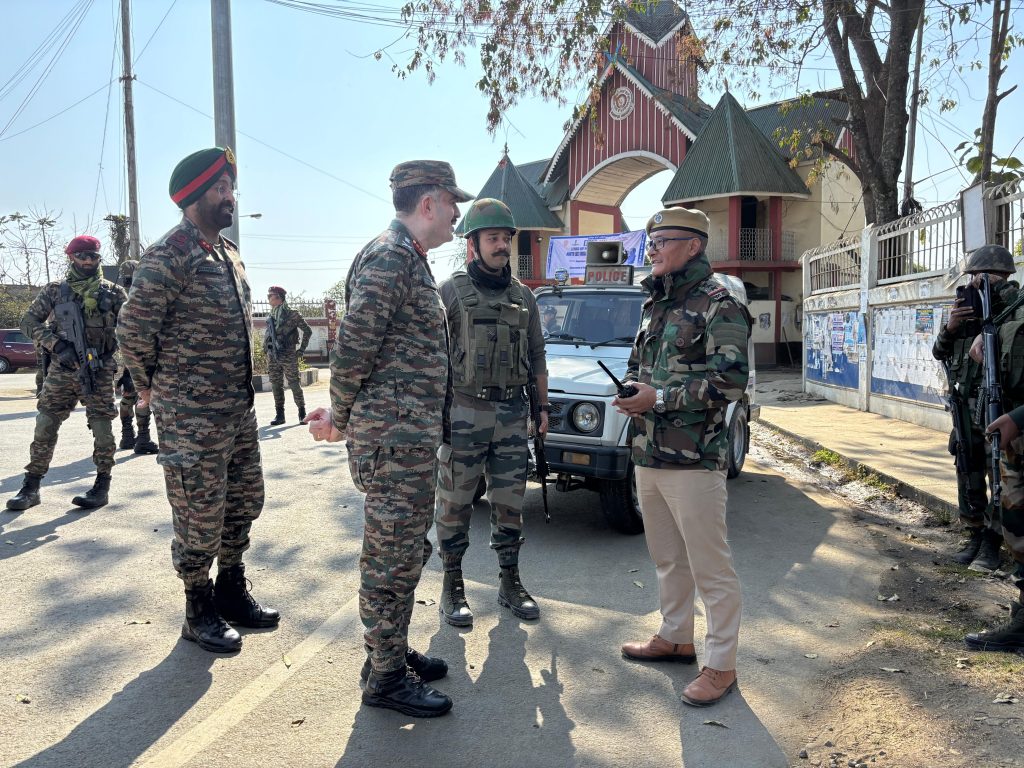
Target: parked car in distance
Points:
(16, 351)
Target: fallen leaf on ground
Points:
(1005, 698)
(598, 669)
(633, 570)
(870, 644)
(330, 660)
(892, 670)
(716, 723)
(427, 601)
(300, 721)
(884, 599)
(137, 621)
(895, 567)
(638, 584)
(810, 655)
(21, 698)
(963, 662)
(287, 661)
(833, 624)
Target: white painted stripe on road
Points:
(200, 736)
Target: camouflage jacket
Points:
(99, 327)
(389, 365)
(955, 346)
(185, 331)
(288, 332)
(692, 343)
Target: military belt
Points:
(494, 394)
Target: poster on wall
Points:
(902, 364)
(832, 344)
(570, 252)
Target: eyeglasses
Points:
(657, 243)
(86, 256)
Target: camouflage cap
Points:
(689, 219)
(414, 173)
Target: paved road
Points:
(91, 629)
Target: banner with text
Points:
(570, 253)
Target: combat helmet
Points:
(991, 258)
(127, 271)
(487, 213)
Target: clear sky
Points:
(321, 123)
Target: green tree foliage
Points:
(14, 302)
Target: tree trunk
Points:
(1000, 27)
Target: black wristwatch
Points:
(546, 407)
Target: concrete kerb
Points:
(917, 495)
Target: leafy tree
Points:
(549, 47)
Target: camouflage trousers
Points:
(489, 439)
(214, 482)
(285, 366)
(130, 404)
(976, 511)
(399, 488)
(62, 391)
(1013, 506)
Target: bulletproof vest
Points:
(99, 327)
(494, 340)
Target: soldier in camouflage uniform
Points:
(1010, 426)
(97, 303)
(689, 362)
(129, 405)
(285, 323)
(186, 338)
(497, 346)
(984, 530)
(389, 382)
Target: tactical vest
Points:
(494, 338)
(99, 327)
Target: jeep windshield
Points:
(596, 318)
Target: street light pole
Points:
(134, 246)
(223, 85)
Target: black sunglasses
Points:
(86, 256)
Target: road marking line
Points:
(219, 722)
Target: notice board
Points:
(834, 346)
(902, 364)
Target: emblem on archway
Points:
(622, 102)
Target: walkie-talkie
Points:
(625, 390)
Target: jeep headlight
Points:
(586, 417)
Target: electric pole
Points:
(223, 86)
(909, 204)
(129, 131)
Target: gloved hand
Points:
(302, 351)
(65, 354)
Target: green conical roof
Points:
(528, 207)
(731, 156)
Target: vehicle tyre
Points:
(481, 489)
(620, 505)
(739, 441)
(5, 366)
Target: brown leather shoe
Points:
(658, 649)
(710, 687)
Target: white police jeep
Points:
(586, 442)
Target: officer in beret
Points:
(186, 334)
(81, 344)
(130, 406)
(389, 383)
(282, 334)
(688, 363)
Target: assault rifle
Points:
(992, 392)
(540, 460)
(71, 328)
(957, 407)
(273, 345)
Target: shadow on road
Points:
(136, 717)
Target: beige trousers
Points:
(684, 521)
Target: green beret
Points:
(435, 173)
(194, 175)
(689, 219)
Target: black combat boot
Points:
(279, 417)
(513, 595)
(127, 434)
(427, 668)
(28, 496)
(144, 444)
(236, 604)
(302, 413)
(988, 558)
(402, 690)
(96, 496)
(1009, 637)
(970, 551)
(454, 608)
(204, 626)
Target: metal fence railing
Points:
(1008, 202)
(924, 243)
(755, 244)
(834, 266)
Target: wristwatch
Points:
(659, 401)
(545, 407)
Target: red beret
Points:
(278, 290)
(83, 243)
